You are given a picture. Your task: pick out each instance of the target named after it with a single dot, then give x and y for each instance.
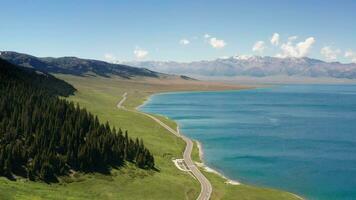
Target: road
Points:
(206, 188)
(124, 96)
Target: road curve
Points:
(206, 188)
(119, 105)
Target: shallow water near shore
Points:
(300, 138)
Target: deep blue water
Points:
(300, 138)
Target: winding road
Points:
(206, 188)
(119, 105)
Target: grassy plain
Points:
(100, 96)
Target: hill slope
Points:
(44, 137)
(35, 79)
(75, 66)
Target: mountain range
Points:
(254, 66)
(75, 66)
(250, 66)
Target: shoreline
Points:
(211, 170)
(148, 98)
(199, 145)
(201, 164)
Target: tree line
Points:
(43, 137)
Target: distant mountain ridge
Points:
(254, 66)
(75, 66)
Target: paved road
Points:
(206, 187)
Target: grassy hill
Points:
(128, 182)
(46, 138)
(10, 73)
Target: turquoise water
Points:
(300, 138)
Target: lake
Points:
(299, 138)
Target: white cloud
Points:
(184, 41)
(216, 43)
(140, 53)
(224, 57)
(259, 46)
(304, 47)
(109, 57)
(275, 39)
(243, 57)
(206, 36)
(329, 53)
(351, 55)
(300, 49)
(292, 38)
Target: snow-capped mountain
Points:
(254, 66)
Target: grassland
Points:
(100, 96)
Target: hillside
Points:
(35, 79)
(254, 66)
(43, 137)
(75, 66)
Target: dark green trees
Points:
(42, 136)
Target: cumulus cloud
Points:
(300, 49)
(140, 53)
(275, 39)
(184, 41)
(259, 46)
(304, 47)
(206, 36)
(217, 43)
(329, 53)
(351, 55)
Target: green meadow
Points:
(100, 96)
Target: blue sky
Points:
(180, 30)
